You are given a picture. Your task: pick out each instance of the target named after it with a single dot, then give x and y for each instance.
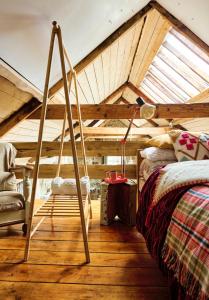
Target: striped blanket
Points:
(186, 248)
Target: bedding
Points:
(183, 204)
(186, 248)
(147, 167)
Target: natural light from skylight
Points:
(179, 71)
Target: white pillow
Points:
(154, 154)
(62, 186)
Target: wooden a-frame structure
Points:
(49, 208)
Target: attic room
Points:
(104, 148)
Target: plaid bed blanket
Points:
(186, 248)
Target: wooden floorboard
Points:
(120, 268)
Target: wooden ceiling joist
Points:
(94, 171)
(104, 45)
(21, 114)
(93, 148)
(118, 131)
(126, 111)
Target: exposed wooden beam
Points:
(180, 26)
(118, 131)
(126, 111)
(123, 100)
(93, 148)
(112, 138)
(21, 114)
(199, 98)
(94, 171)
(106, 43)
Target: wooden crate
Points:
(118, 200)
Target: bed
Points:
(173, 216)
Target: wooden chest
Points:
(118, 200)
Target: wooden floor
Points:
(120, 267)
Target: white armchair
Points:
(14, 206)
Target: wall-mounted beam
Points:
(126, 111)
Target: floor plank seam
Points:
(88, 284)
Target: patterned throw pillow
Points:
(190, 146)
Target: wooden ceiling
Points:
(112, 73)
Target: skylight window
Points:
(179, 71)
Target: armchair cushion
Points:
(7, 155)
(11, 201)
(8, 181)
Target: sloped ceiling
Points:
(25, 30)
(119, 63)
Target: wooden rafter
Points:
(139, 93)
(21, 114)
(125, 111)
(114, 94)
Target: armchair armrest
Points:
(23, 168)
(27, 171)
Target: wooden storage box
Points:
(118, 200)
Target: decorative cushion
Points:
(11, 201)
(162, 141)
(190, 146)
(8, 181)
(154, 154)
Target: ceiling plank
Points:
(104, 45)
(21, 114)
(119, 131)
(180, 26)
(158, 37)
(126, 111)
